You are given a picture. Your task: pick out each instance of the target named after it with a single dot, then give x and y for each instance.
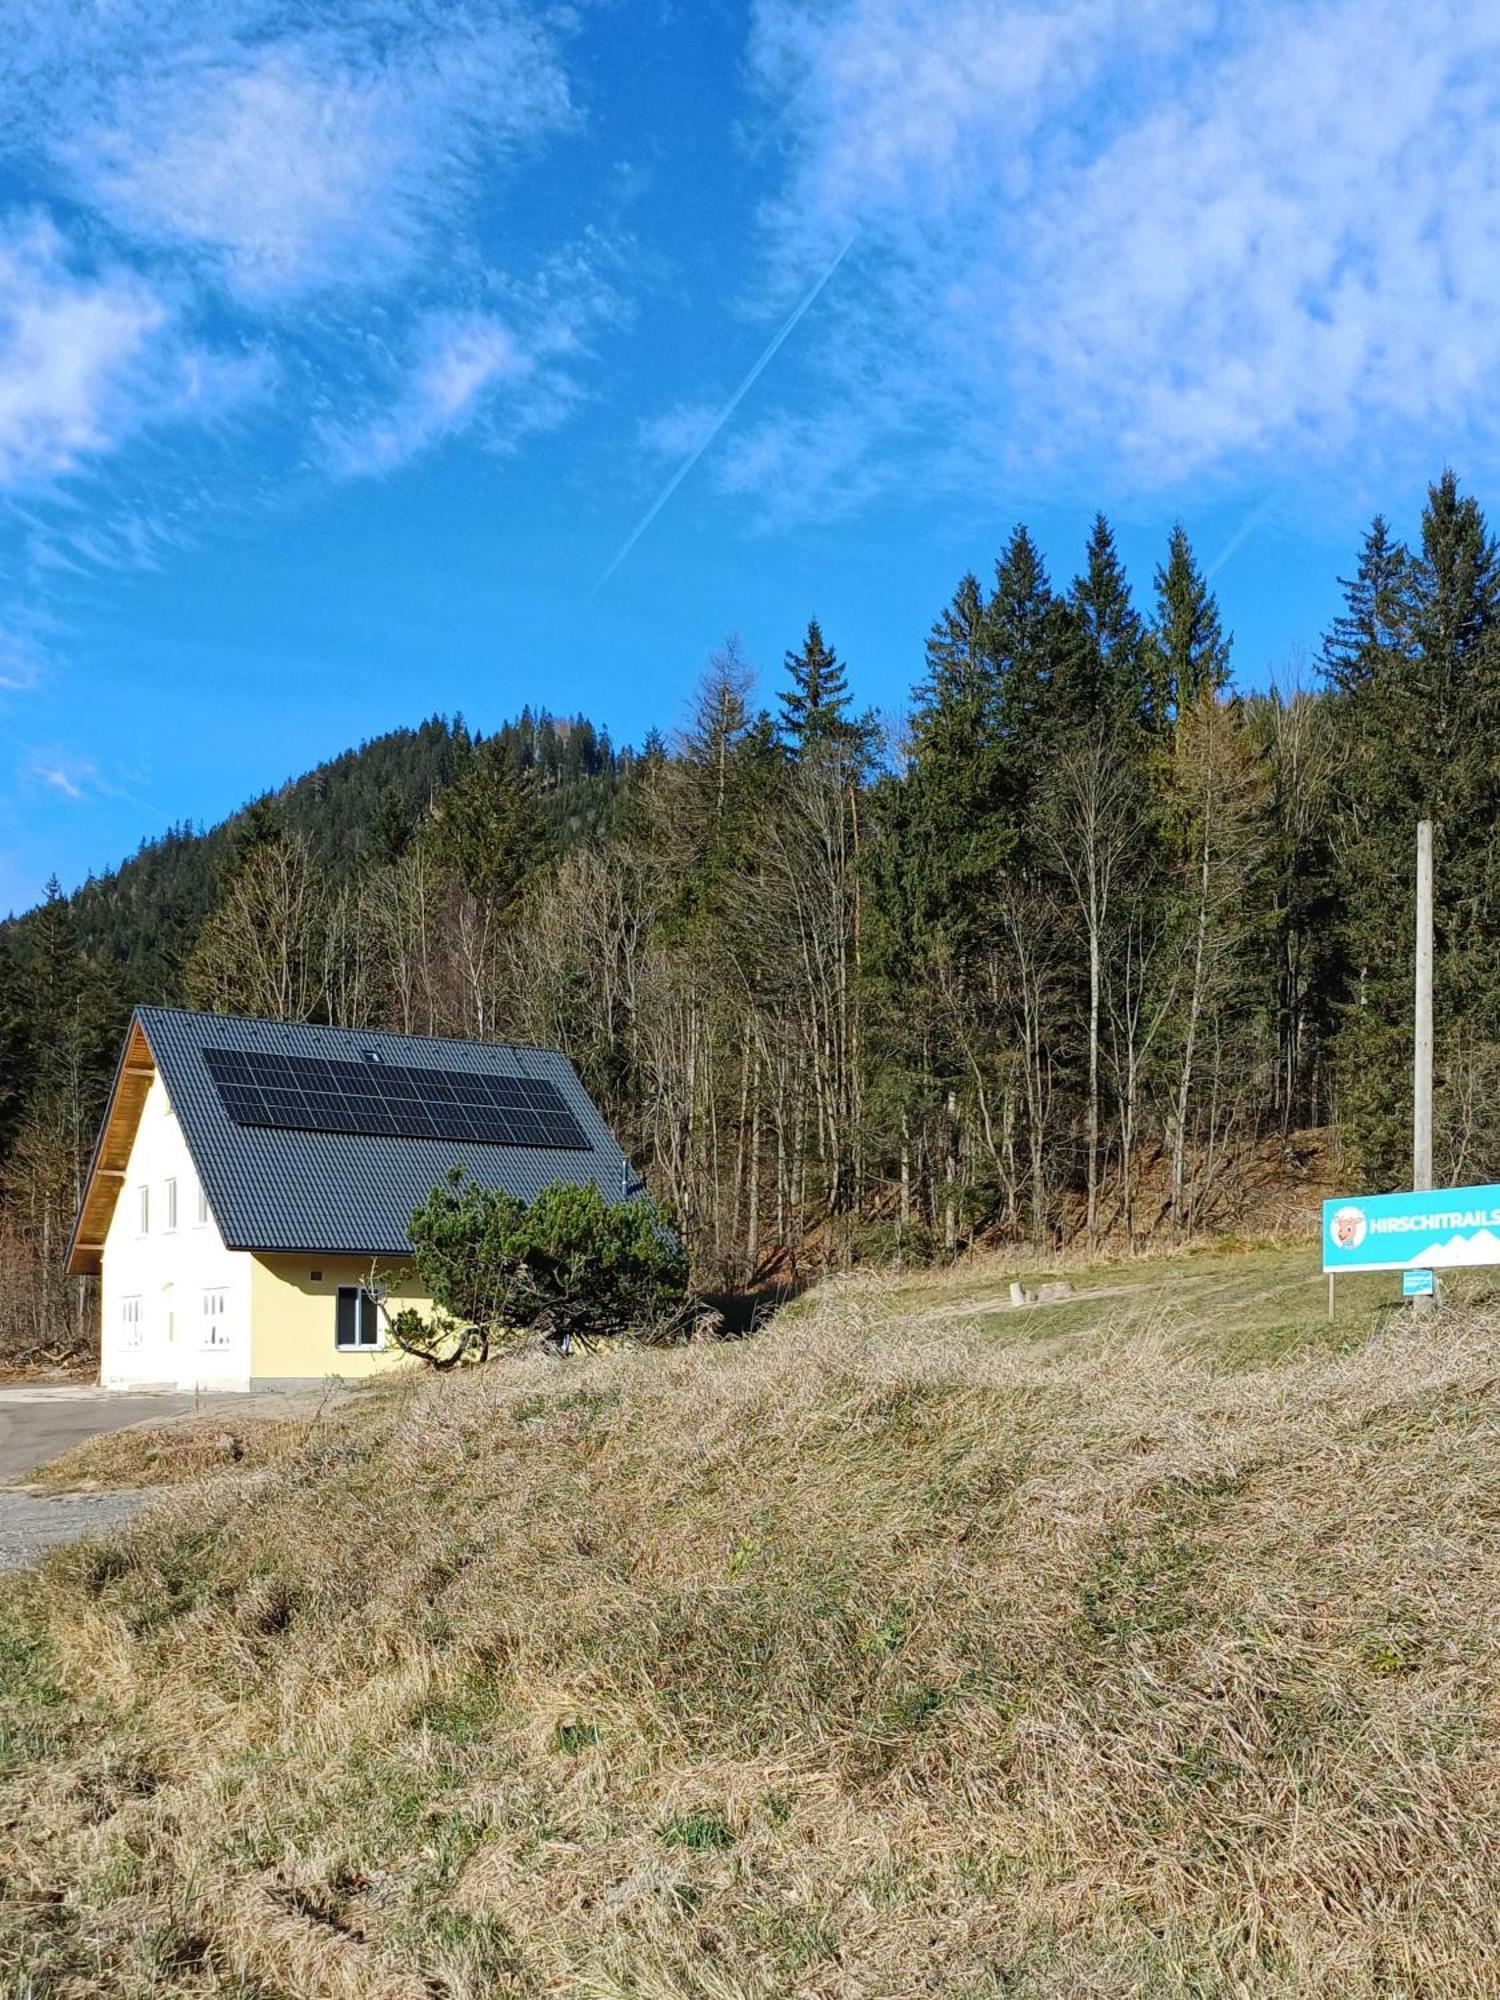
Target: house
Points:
(250, 1190)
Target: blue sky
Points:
(344, 348)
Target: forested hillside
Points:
(1054, 959)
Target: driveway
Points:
(39, 1421)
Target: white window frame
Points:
(169, 1190)
(215, 1329)
(131, 1328)
(366, 1320)
(143, 1216)
(202, 1205)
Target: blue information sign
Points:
(1442, 1229)
(1417, 1284)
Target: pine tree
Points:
(1189, 649)
(813, 707)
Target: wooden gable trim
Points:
(111, 1159)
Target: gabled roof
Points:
(330, 1192)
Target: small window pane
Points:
(202, 1205)
(356, 1323)
(215, 1327)
(145, 1210)
(171, 1204)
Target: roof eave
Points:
(86, 1256)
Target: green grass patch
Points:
(701, 1832)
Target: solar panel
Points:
(392, 1100)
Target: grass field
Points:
(1144, 1643)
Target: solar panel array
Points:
(390, 1100)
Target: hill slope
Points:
(915, 1648)
(353, 808)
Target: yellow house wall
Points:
(293, 1314)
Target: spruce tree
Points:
(957, 654)
(958, 809)
(813, 707)
(1373, 630)
(486, 830)
(72, 1021)
(713, 803)
(263, 823)
(1189, 648)
(1416, 662)
(392, 827)
(1107, 679)
(1457, 580)
(1027, 639)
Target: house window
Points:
(215, 1321)
(145, 1195)
(202, 1205)
(171, 1193)
(130, 1322)
(358, 1323)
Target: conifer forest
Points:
(1058, 956)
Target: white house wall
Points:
(175, 1302)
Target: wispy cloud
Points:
(67, 776)
(59, 780)
(94, 356)
(254, 254)
(495, 375)
(259, 157)
(460, 364)
(310, 158)
(62, 772)
(1146, 243)
(791, 468)
(79, 356)
(672, 434)
(22, 658)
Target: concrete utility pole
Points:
(1421, 1117)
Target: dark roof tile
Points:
(335, 1192)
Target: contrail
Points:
(1240, 536)
(769, 354)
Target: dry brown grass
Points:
(882, 1656)
(170, 1454)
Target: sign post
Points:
(1424, 1232)
(1421, 1069)
(1421, 1118)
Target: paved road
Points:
(31, 1524)
(39, 1421)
